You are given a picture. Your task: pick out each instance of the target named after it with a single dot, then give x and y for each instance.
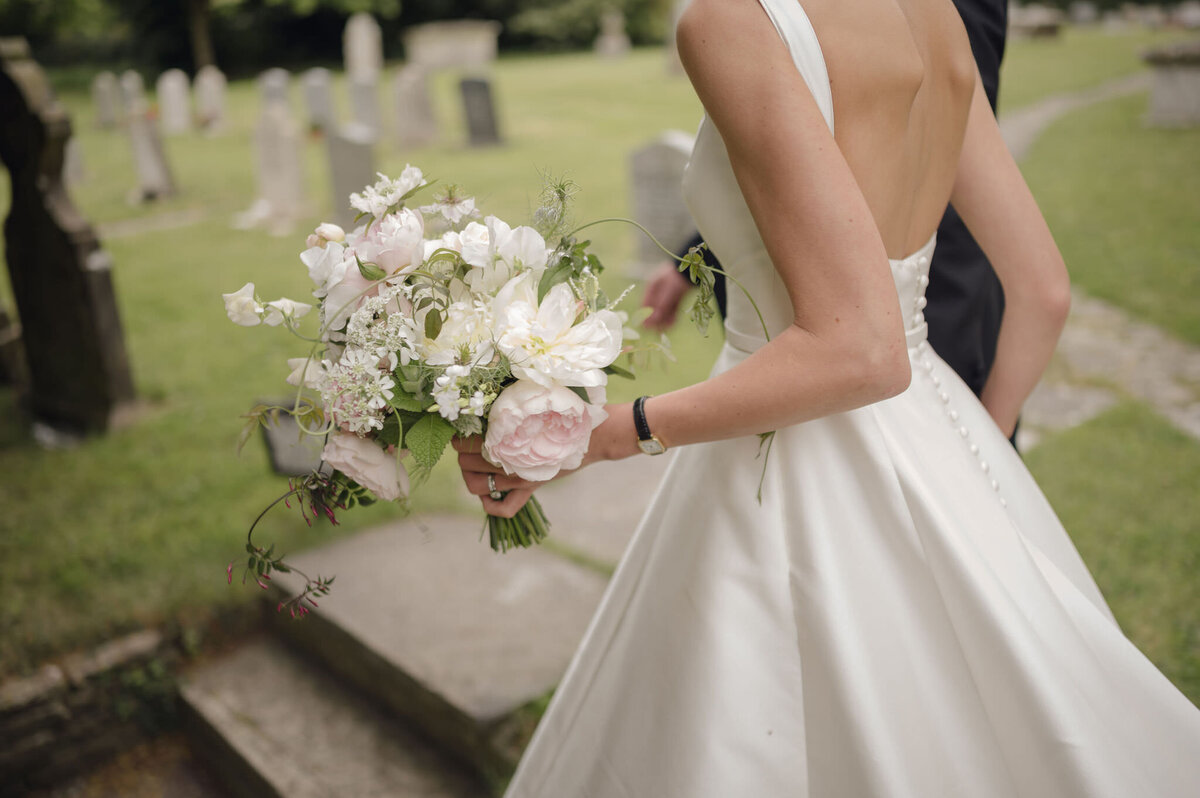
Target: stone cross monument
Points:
(79, 376)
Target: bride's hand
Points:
(475, 473)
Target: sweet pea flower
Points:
(535, 431)
(544, 342)
(242, 308)
(325, 232)
(308, 369)
(284, 309)
(367, 464)
(326, 266)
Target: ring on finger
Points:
(493, 492)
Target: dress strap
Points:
(797, 32)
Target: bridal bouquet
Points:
(434, 324)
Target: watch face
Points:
(651, 446)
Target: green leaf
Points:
(427, 439)
(618, 371)
(392, 432)
(553, 276)
(370, 271)
(580, 391)
(433, 325)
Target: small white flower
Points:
(284, 310)
(377, 199)
(311, 371)
(326, 232)
(477, 404)
(452, 209)
(242, 308)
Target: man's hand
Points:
(664, 291)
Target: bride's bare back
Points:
(902, 76)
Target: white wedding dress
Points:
(902, 616)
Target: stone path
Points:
(1104, 354)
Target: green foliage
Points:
(427, 438)
(576, 23)
(1124, 486)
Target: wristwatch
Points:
(647, 442)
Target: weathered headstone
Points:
(416, 125)
(174, 101)
(210, 98)
(1034, 22)
(656, 175)
(318, 98)
(1083, 12)
(133, 91)
(149, 157)
(362, 48)
(457, 44)
(73, 171)
(364, 104)
(351, 166)
(79, 376)
(106, 98)
(274, 85)
(613, 41)
(1187, 14)
(280, 173)
(479, 108)
(1175, 99)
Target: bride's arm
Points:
(995, 203)
(845, 347)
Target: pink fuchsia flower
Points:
(536, 431)
(367, 464)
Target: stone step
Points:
(460, 642)
(275, 726)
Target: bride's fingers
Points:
(477, 483)
(471, 445)
(509, 505)
(471, 461)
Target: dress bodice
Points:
(716, 204)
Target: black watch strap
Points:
(639, 419)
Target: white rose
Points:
(475, 240)
(242, 308)
(395, 243)
(367, 464)
(536, 431)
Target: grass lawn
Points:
(137, 526)
(1123, 201)
(1124, 485)
(1079, 58)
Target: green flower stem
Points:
(528, 527)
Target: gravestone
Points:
(318, 98)
(73, 171)
(480, 112)
(416, 125)
(210, 99)
(1187, 14)
(674, 65)
(656, 177)
(362, 48)
(106, 98)
(1034, 22)
(1083, 12)
(133, 91)
(273, 86)
(351, 167)
(613, 41)
(364, 104)
(174, 101)
(280, 172)
(458, 44)
(149, 157)
(1175, 98)
(79, 376)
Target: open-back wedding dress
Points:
(903, 615)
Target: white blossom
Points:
(242, 308)
(284, 310)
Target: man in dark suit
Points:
(966, 302)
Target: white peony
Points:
(549, 343)
(242, 308)
(465, 337)
(395, 243)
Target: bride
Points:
(901, 614)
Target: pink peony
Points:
(536, 431)
(367, 464)
(394, 243)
